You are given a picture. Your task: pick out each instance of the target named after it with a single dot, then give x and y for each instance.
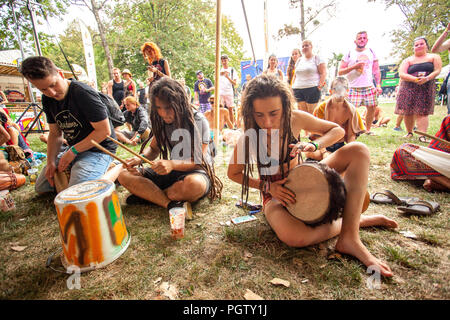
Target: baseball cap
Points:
(199, 71)
(224, 56)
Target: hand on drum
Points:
(301, 147)
(282, 194)
(65, 160)
(50, 173)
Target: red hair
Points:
(155, 52)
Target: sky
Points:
(335, 35)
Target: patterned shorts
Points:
(205, 107)
(366, 96)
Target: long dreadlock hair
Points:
(172, 93)
(265, 86)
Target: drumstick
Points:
(432, 137)
(107, 152)
(131, 151)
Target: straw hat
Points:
(127, 71)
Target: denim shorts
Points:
(86, 166)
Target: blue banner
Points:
(254, 69)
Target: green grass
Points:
(216, 261)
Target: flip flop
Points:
(388, 197)
(424, 139)
(420, 207)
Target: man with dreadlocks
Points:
(187, 174)
(267, 110)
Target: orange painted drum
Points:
(92, 226)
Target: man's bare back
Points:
(224, 117)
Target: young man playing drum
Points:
(188, 175)
(267, 109)
(77, 111)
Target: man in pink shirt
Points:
(361, 66)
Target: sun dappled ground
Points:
(216, 261)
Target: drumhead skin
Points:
(312, 192)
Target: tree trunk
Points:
(101, 29)
(302, 20)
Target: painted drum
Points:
(92, 227)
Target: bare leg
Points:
(143, 188)
(302, 106)
(422, 123)
(353, 160)
(409, 122)
(399, 121)
(369, 117)
(113, 173)
(310, 107)
(190, 189)
(437, 184)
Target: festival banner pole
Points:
(88, 52)
(217, 75)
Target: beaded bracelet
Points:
(315, 144)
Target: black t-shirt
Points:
(73, 115)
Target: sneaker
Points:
(132, 199)
(398, 129)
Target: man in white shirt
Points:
(227, 82)
(361, 66)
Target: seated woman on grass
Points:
(267, 108)
(136, 118)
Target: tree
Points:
(96, 7)
(8, 37)
(185, 34)
(334, 62)
(309, 18)
(422, 18)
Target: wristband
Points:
(315, 144)
(75, 152)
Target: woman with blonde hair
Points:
(158, 67)
(309, 78)
(137, 119)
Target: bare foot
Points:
(431, 186)
(360, 252)
(377, 221)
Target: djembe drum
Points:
(92, 227)
(319, 193)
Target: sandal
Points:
(420, 207)
(388, 197)
(424, 139)
(409, 135)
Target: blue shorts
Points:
(86, 166)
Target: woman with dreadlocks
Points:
(267, 111)
(181, 137)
